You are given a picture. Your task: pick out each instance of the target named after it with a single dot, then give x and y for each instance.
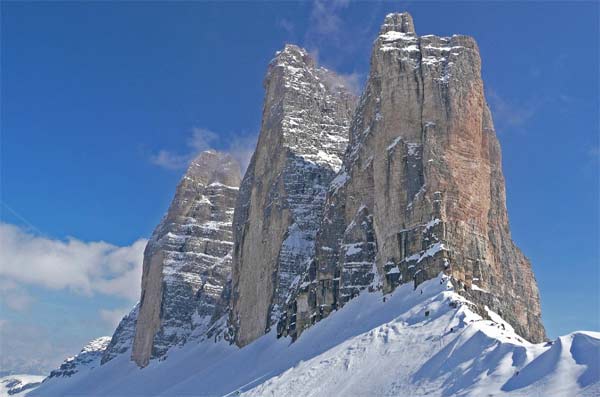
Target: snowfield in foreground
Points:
(418, 342)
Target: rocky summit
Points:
(187, 262)
(304, 133)
(421, 189)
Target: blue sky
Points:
(102, 103)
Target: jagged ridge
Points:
(410, 343)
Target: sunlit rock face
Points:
(187, 262)
(304, 133)
(421, 189)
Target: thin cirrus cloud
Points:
(85, 268)
(509, 116)
(287, 25)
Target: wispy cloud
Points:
(325, 26)
(331, 31)
(14, 296)
(86, 268)
(169, 160)
(240, 147)
(325, 18)
(511, 114)
(287, 25)
(200, 139)
(351, 81)
(112, 317)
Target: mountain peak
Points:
(304, 133)
(401, 22)
(187, 260)
(214, 166)
(294, 55)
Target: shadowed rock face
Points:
(421, 189)
(122, 338)
(187, 261)
(304, 133)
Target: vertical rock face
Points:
(421, 189)
(303, 136)
(187, 261)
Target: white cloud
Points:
(30, 349)
(114, 316)
(169, 160)
(202, 139)
(14, 296)
(83, 267)
(29, 261)
(324, 17)
(325, 27)
(330, 29)
(510, 115)
(351, 81)
(287, 25)
(327, 33)
(241, 147)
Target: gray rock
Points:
(187, 262)
(303, 136)
(88, 358)
(421, 189)
(122, 338)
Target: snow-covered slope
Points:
(18, 385)
(414, 342)
(87, 359)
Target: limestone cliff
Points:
(421, 189)
(187, 261)
(304, 133)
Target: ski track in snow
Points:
(369, 348)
